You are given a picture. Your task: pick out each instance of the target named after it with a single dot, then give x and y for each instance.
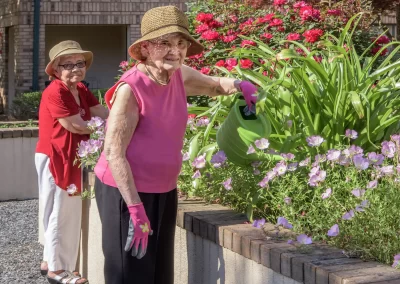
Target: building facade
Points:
(106, 27)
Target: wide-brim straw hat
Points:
(161, 21)
(67, 47)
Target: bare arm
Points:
(122, 122)
(100, 111)
(197, 84)
(75, 124)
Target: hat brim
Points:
(195, 48)
(88, 55)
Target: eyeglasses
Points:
(182, 44)
(71, 66)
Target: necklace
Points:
(163, 83)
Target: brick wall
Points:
(19, 13)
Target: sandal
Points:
(65, 277)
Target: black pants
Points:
(157, 266)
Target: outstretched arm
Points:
(122, 122)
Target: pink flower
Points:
(231, 63)
(333, 231)
(247, 43)
(250, 150)
(308, 13)
(199, 162)
(304, 239)
(276, 22)
(327, 193)
(299, 4)
(227, 184)
(246, 63)
(267, 36)
(205, 70)
(72, 189)
(210, 35)
(313, 35)
(293, 36)
(123, 64)
(215, 24)
(229, 38)
(202, 28)
(279, 2)
(204, 17)
(262, 144)
(197, 174)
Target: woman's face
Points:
(71, 69)
(167, 52)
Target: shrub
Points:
(26, 106)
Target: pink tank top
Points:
(154, 152)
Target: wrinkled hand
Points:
(248, 90)
(138, 232)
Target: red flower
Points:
(220, 63)
(261, 20)
(204, 17)
(210, 35)
(246, 63)
(281, 29)
(247, 43)
(307, 13)
(197, 56)
(293, 36)
(269, 17)
(382, 40)
(267, 36)
(299, 4)
(215, 24)
(205, 70)
(376, 49)
(229, 38)
(191, 115)
(249, 22)
(318, 58)
(300, 51)
(276, 22)
(230, 63)
(279, 2)
(313, 35)
(202, 28)
(334, 12)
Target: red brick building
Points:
(102, 26)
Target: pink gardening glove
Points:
(139, 230)
(248, 90)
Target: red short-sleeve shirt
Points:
(54, 140)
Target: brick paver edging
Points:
(19, 132)
(321, 265)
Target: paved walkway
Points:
(20, 252)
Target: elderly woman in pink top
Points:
(138, 170)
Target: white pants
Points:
(61, 219)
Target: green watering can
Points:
(239, 131)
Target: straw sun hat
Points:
(67, 47)
(160, 21)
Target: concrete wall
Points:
(197, 260)
(18, 178)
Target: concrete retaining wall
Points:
(18, 177)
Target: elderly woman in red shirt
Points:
(65, 109)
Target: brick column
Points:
(23, 58)
(43, 57)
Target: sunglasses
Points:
(70, 66)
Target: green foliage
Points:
(26, 106)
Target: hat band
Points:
(165, 27)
